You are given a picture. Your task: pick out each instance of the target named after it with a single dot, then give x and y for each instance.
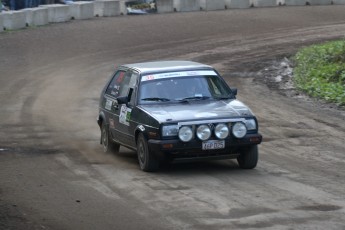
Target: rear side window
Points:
(117, 84)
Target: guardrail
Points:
(45, 14)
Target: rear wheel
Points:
(108, 145)
(147, 161)
(249, 157)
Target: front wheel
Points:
(147, 161)
(108, 145)
(249, 157)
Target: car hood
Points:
(197, 110)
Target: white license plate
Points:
(213, 144)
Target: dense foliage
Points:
(320, 71)
(141, 6)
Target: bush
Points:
(141, 6)
(320, 71)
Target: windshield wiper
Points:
(155, 99)
(194, 98)
(223, 98)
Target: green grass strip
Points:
(320, 71)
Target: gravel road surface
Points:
(54, 175)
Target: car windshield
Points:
(182, 89)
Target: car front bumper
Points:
(192, 150)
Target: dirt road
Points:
(54, 175)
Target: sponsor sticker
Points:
(108, 104)
(120, 78)
(125, 115)
(142, 128)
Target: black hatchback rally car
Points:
(176, 111)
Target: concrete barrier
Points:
(57, 13)
(264, 3)
(240, 4)
(176, 5)
(210, 5)
(189, 5)
(165, 6)
(227, 4)
(107, 8)
(295, 2)
(36, 16)
(1, 23)
(123, 8)
(339, 2)
(281, 2)
(14, 20)
(81, 10)
(319, 2)
(202, 4)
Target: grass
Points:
(320, 71)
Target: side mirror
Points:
(234, 91)
(122, 100)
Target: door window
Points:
(117, 84)
(124, 84)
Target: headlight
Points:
(169, 130)
(250, 124)
(185, 133)
(203, 132)
(221, 131)
(239, 130)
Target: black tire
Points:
(249, 157)
(108, 145)
(147, 161)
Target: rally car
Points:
(170, 111)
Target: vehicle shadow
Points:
(228, 165)
(212, 166)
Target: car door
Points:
(121, 85)
(130, 107)
(114, 90)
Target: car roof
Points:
(166, 66)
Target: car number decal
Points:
(108, 104)
(125, 115)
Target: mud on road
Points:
(54, 175)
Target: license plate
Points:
(213, 144)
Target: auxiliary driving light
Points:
(221, 131)
(203, 132)
(239, 129)
(185, 133)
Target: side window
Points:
(115, 87)
(124, 87)
(213, 87)
(217, 87)
(123, 84)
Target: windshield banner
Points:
(178, 74)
